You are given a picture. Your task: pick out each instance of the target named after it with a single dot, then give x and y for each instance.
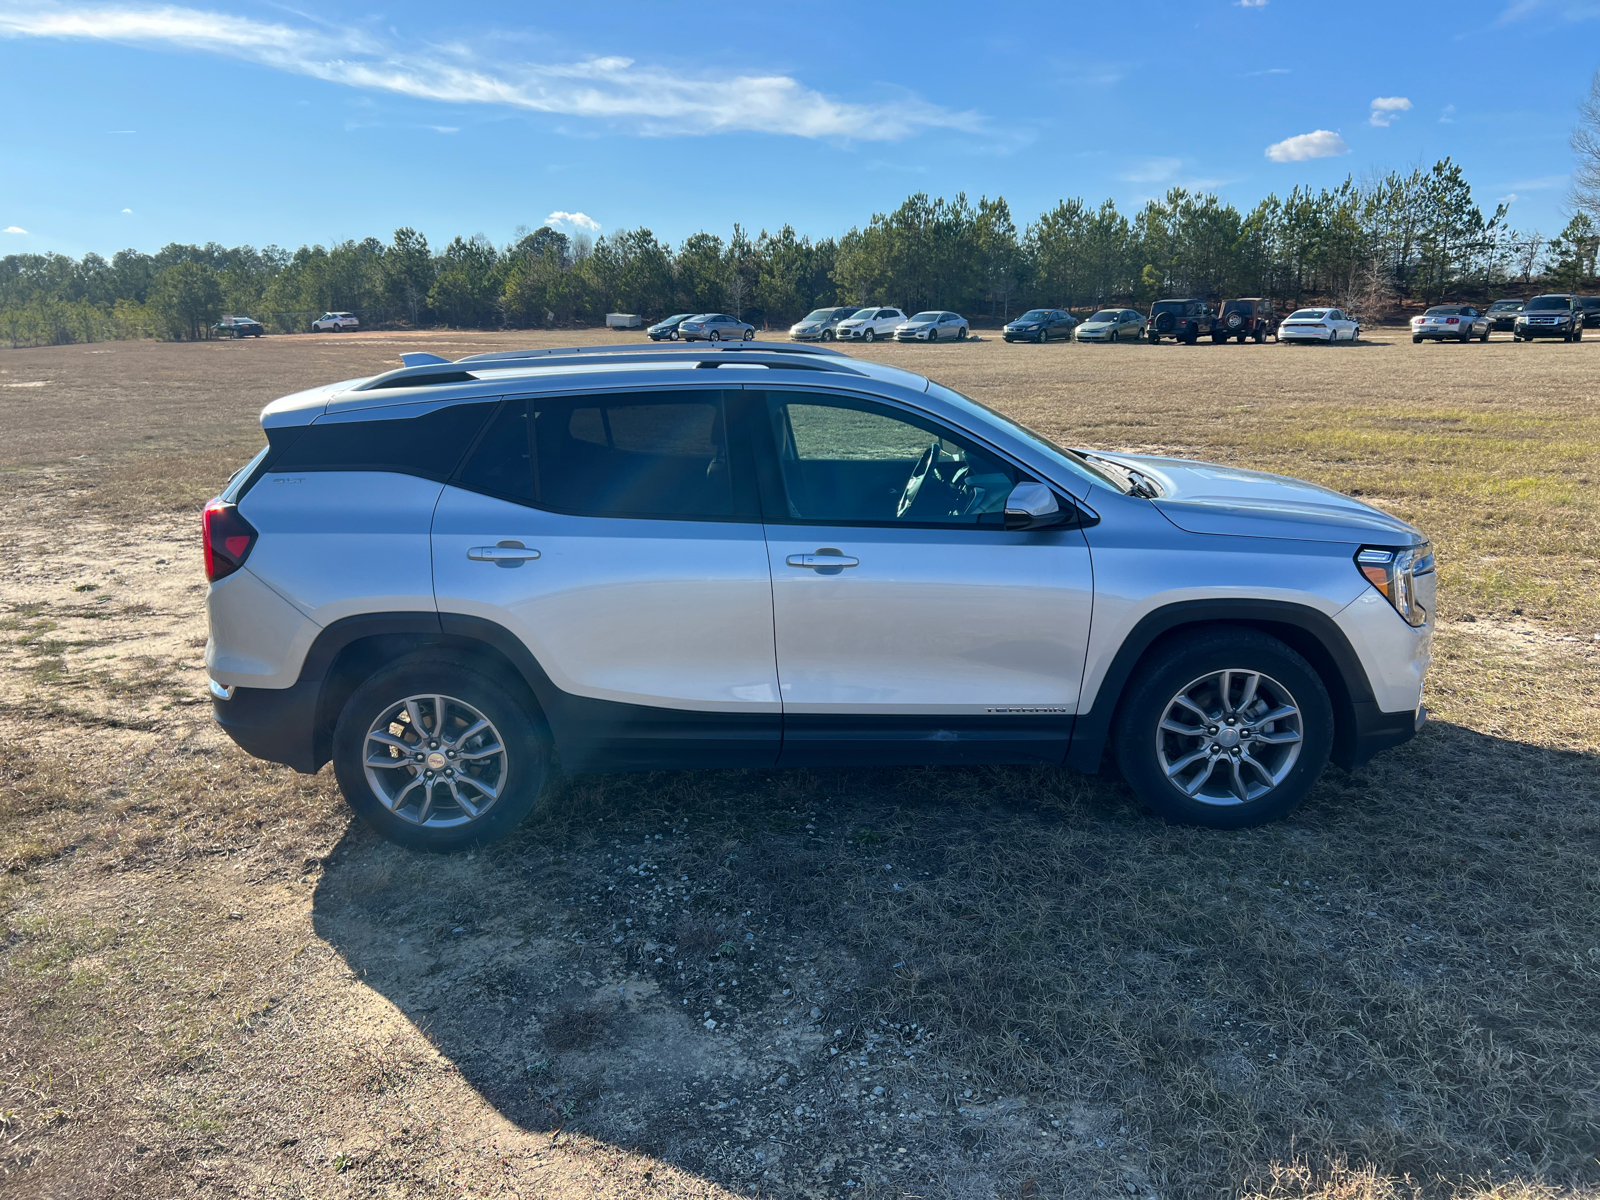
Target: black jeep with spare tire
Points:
(1182, 320)
(1251, 317)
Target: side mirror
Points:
(1033, 506)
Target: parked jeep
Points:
(1182, 320)
(1251, 317)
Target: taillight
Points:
(1452, 320)
(227, 539)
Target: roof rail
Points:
(440, 372)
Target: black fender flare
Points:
(1312, 634)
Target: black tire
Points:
(1042, 338)
(827, 335)
(867, 335)
(1112, 336)
(1165, 323)
(1182, 665)
(1577, 334)
(1261, 337)
(517, 776)
(961, 334)
(1219, 337)
(1155, 338)
(1192, 337)
(1415, 340)
(749, 335)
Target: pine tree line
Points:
(1365, 245)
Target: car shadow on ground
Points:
(961, 980)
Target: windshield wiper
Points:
(1138, 483)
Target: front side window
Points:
(657, 455)
(846, 461)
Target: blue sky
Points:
(140, 124)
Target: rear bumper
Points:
(275, 724)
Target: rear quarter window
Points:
(429, 445)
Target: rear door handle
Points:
(829, 561)
(504, 554)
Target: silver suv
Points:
(448, 577)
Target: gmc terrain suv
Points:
(445, 577)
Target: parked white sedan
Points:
(1318, 325)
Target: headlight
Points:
(1394, 573)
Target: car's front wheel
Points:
(1226, 729)
(437, 756)
(867, 336)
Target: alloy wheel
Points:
(435, 761)
(1229, 737)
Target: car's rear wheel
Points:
(714, 336)
(437, 756)
(1261, 336)
(1225, 729)
(1155, 338)
(1416, 340)
(1219, 336)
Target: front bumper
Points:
(917, 335)
(817, 336)
(1539, 331)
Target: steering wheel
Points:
(919, 474)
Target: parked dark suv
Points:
(1552, 316)
(238, 327)
(1591, 311)
(1250, 317)
(1183, 320)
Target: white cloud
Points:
(127, 210)
(1447, 115)
(15, 229)
(1319, 143)
(1386, 108)
(1152, 170)
(1250, 3)
(1508, 198)
(1542, 184)
(652, 100)
(1268, 71)
(577, 220)
(445, 128)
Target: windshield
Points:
(822, 314)
(927, 316)
(1505, 305)
(1309, 314)
(1035, 314)
(1548, 304)
(865, 314)
(1106, 314)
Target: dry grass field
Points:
(937, 983)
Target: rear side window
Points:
(659, 455)
(429, 445)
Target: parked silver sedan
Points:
(821, 325)
(932, 326)
(1457, 322)
(715, 327)
(1112, 325)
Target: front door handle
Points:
(503, 554)
(826, 561)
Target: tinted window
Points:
(662, 455)
(847, 461)
(1549, 304)
(430, 445)
(501, 463)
